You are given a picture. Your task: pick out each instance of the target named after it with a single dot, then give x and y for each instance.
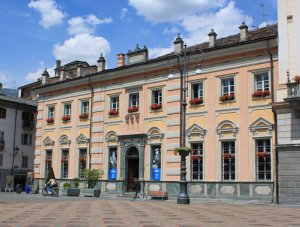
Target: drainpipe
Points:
(14, 144)
(90, 140)
(275, 187)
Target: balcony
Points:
(2, 143)
(293, 95)
(28, 124)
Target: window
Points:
(1, 140)
(82, 162)
(51, 111)
(134, 100)
(24, 161)
(197, 161)
(157, 97)
(113, 161)
(156, 162)
(48, 162)
(114, 103)
(197, 90)
(26, 139)
(228, 151)
(64, 163)
(27, 120)
(261, 82)
(263, 154)
(85, 107)
(227, 86)
(2, 113)
(67, 110)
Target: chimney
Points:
(212, 38)
(121, 60)
(78, 73)
(243, 32)
(57, 69)
(58, 63)
(178, 45)
(101, 63)
(45, 77)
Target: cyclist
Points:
(51, 183)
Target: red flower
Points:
(64, 160)
(84, 116)
(196, 101)
(296, 79)
(47, 160)
(196, 157)
(50, 120)
(227, 97)
(156, 106)
(228, 155)
(262, 154)
(262, 93)
(113, 112)
(133, 109)
(82, 159)
(66, 118)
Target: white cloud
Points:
(124, 11)
(266, 23)
(3, 79)
(172, 10)
(156, 52)
(84, 47)
(86, 24)
(49, 11)
(33, 76)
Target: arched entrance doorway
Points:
(132, 168)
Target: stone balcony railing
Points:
(293, 90)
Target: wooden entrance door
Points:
(133, 172)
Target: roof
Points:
(17, 100)
(260, 34)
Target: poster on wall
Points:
(113, 165)
(9, 182)
(156, 163)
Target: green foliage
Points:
(76, 182)
(66, 185)
(183, 150)
(50, 175)
(92, 176)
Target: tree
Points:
(92, 176)
(50, 175)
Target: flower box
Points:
(227, 97)
(47, 161)
(262, 93)
(83, 116)
(183, 151)
(296, 79)
(156, 106)
(50, 120)
(113, 113)
(196, 157)
(228, 156)
(262, 154)
(64, 160)
(196, 101)
(133, 109)
(66, 118)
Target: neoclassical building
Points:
(126, 120)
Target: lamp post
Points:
(15, 152)
(183, 197)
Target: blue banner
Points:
(155, 173)
(113, 174)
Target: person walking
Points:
(137, 188)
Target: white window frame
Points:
(85, 106)
(265, 84)
(64, 170)
(26, 140)
(200, 152)
(67, 111)
(51, 114)
(231, 88)
(269, 152)
(232, 152)
(115, 104)
(156, 96)
(134, 102)
(24, 161)
(200, 90)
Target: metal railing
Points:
(28, 124)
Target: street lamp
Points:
(15, 152)
(183, 197)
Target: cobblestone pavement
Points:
(37, 211)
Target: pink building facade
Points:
(126, 121)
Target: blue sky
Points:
(34, 33)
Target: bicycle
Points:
(50, 191)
